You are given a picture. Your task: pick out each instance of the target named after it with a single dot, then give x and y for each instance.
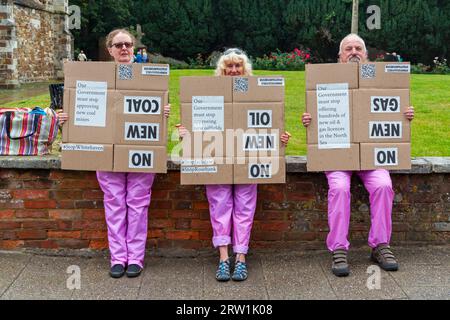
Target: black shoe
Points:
(117, 271)
(339, 265)
(133, 271)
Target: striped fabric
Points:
(23, 122)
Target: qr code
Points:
(125, 72)
(240, 85)
(368, 71)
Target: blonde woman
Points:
(232, 207)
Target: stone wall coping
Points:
(294, 164)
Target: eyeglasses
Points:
(233, 50)
(120, 45)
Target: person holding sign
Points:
(126, 195)
(232, 207)
(377, 182)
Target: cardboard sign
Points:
(333, 159)
(142, 77)
(333, 116)
(385, 104)
(89, 71)
(331, 73)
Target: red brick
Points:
(269, 215)
(40, 184)
(72, 243)
(31, 214)
(182, 224)
(301, 236)
(98, 244)
(64, 234)
(66, 204)
(86, 204)
(43, 244)
(201, 225)
(182, 235)
(158, 214)
(9, 225)
(184, 214)
(205, 234)
(38, 224)
(65, 214)
(274, 226)
(273, 196)
(30, 194)
(160, 194)
(40, 204)
(11, 244)
(13, 204)
(97, 235)
(155, 233)
(32, 234)
(161, 204)
(93, 195)
(161, 224)
(266, 236)
(6, 214)
(94, 214)
(64, 225)
(66, 195)
(88, 225)
(33, 174)
(78, 184)
(202, 205)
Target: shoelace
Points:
(387, 253)
(340, 257)
(224, 268)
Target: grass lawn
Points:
(430, 96)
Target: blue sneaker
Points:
(223, 271)
(240, 271)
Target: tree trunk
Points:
(355, 16)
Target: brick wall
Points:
(54, 209)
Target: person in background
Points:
(144, 56)
(82, 56)
(127, 196)
(377, 182)
(232, 207)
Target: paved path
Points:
(424, 274)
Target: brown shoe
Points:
(340, 266)
(384, 257)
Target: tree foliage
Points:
(419, 30)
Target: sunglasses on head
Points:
(233, 50)
(120, 45)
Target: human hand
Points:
(306, 119)
(409, 113)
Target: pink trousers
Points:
(126, 200)
(232, 208)
(379, 185)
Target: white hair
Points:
(355, 37)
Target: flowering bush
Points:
(440, 66)
(294, 60)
